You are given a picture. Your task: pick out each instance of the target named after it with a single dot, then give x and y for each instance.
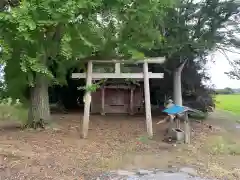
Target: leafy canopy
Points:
(36, 35)
(192, 30)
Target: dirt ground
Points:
(114, 142)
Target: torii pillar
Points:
(87, 103)
(148, 112)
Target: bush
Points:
(198, 116)
(11, 110)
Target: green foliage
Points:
(37, 35)
(198, 116)
(143, 139)
(224, 91)
(192, 31)
(93, 87)
(195, 27)
(12, 111)
(46, 37)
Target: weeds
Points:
(143, 139)
(12, 111)
(223, 145)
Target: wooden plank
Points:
(147, 100)
(120, 87)
(87, 103)
(155, 60)
(118, 75)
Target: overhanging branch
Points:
(221, 48)
(181, 65)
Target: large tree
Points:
(234, 73)
(35, 34)
(192, 31)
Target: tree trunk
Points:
(39, 111)
(177, 88)
(177, 84)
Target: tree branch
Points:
(181, 65)
(221, 48)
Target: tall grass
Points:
(11, 110)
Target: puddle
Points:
(237, 126)
(185, 173)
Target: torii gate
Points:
(146, 75)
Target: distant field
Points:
(229, 102)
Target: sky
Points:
(216, 70)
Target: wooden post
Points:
(187, 129)
(171, 124)
(147, 100)
(131, 101)
(103, 100)
(87, 103)
(178, 123)
(117, 68)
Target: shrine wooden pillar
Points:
(147, 100)
(131, 101)
(103, 101)
(87, 103)
(187, 129)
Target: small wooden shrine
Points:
(127, 95)
(118, 97)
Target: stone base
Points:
(177, 134)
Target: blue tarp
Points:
(175, 110)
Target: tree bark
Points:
(177, 88)
(39, 111)
(177, 84)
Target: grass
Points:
(230, 102)
(223, 145)
(13, 111)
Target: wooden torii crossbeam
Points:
(146, 75)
